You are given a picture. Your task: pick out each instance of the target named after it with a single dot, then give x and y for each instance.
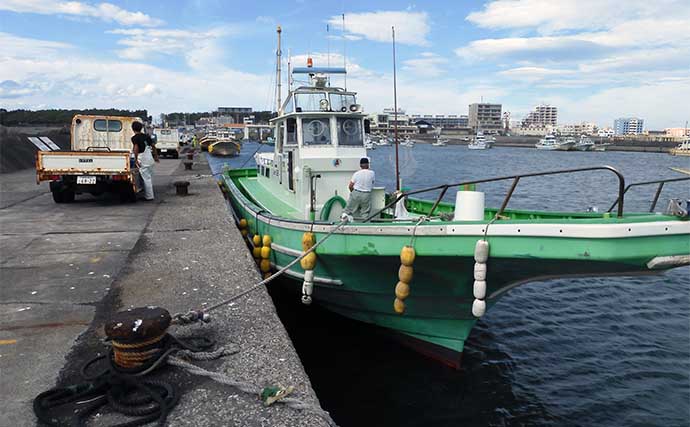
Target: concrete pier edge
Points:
(182, 253)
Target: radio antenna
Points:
(344, 52)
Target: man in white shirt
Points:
(361, 184)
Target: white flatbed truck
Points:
(99, 160)
(167, 142)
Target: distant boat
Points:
(225, 146)
(551, 143)
(683, 149)
(480, 142)
(440, 143)
(584, 144)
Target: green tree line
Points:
(59, 117)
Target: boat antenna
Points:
(289, 71)
(344, 53)
(328, 43)
(395, 117)
(278, 77)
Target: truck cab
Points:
(98, 162)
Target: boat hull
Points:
(357, 267)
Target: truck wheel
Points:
(127, 195)
(57, 196)
(68, 196)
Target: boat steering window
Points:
(309, 101)
(291, 138)
(340, 102)
(316, 131)
(350, 132)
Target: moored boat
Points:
(480, 142)
(683, 149)
(551, 143)
(464, 256)
(584, 144)
(225, 146)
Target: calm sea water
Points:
(603, 351)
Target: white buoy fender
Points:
(481, 251)
(307, 288)
(479, 271)
(309, 276)
(479, 289)
(478, 308)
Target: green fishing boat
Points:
(424, 269)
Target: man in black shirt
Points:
(145, 154)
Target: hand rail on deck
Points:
(661, 183)
(516, 179)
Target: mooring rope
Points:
(202, 315)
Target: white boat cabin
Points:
(319, 141)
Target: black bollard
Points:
(181, 188)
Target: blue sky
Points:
(594, 59)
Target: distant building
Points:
(605, 133)
(583, 128)
(486, 117)
(540, 117)
(628, 126)
(677, 132)
(237, 113)
(441, 121)
(385, 122)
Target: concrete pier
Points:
(65, 268)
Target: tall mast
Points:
(395, 118)
(278, 77)
(344, 53)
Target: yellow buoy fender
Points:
(481, 251)
(479, 289)
(256, 252)
(478, 308)
(256, 240)
(265, 265)
(308, 240)
(308, 262)
(399, 306)
(402, 290)
(407, 256)
(265, 252)
(405, 273)
(266, 240)
(479, 271)
(243, 223)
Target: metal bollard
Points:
(190, 155)
(181, 188)
(188, 165)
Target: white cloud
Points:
(410, 27)
(548, 16)
(22, 47)
(105, 11)
(427, 65)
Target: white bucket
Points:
(469, 206)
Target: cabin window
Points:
(340, 102)
(291, 131)
(350, 132)
(165, 132)
(280, 137)
(267, 172)
(289, 106)
(309, 101)
(316, 131)
(112, 125)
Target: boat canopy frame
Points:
(660, 187)
(516, 179)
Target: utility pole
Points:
(278, 78)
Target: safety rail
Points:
(661, 183)
(516, 179)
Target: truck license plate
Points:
(86, 180)
(164, 150)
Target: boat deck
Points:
(264, 198)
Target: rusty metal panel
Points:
(85, 135)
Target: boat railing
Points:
(660, 187)
(516, 179)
